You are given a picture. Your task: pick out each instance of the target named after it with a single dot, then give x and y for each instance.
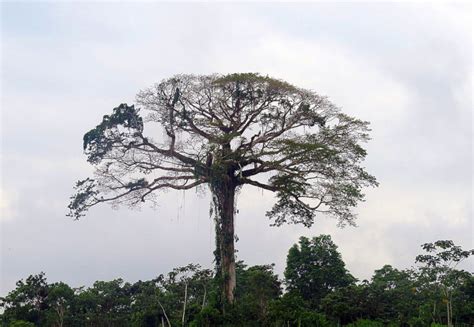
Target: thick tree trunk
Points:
(224, 193)
(227, 245)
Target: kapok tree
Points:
(228, 131)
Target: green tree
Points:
(106, 303)
(145, 309)
(258, 287)
(292, 310)
(392, 296)
(439, 272)
(28, 301)
(223, 131)
(184, 293)
(463, 307)
(314, 268)
(60, 300)
(346, 304)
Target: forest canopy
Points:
(188, 296)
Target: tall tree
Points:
(29, 301)
(392, 295)
(106, 303)
(60, 298)
(439, 269)
(226, 132)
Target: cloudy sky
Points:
(404, 67)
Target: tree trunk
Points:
(164, 312)
(184, 304)
(448, 320)
(448, 307)
(451, 309)
(224, 197)
(204, 299)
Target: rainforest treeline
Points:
(317, 290)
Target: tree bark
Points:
(204, 299)
(448, 320)
(224, 193)
(184, 304)
(451, 309)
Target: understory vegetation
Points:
(317, 290)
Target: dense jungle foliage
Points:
(317, 290)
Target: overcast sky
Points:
(404, 67)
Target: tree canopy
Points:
(189, 296)
(267, 126)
